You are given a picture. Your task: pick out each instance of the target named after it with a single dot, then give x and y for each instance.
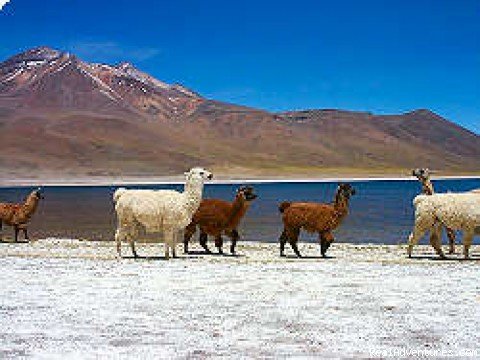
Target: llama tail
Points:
(119, 192)
(283, 206)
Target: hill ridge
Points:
(62, 116)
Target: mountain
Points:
(48, 80)
(63, 117)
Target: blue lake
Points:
(381, 212)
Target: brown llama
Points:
(423, 175)
(18, 215)
(314, 218)
(216, 217)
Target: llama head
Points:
(421, 174)
(198, 173)
(345, 190)
(38, 193)
(247, 192)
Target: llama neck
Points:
(341, 205)
(427, 187)
(193, 192)
(30, 205)
(239, 208)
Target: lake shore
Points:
(126, 181)
(76, 299)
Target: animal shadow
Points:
(310, 257)
(11, 241)
(158, 258)
(205, 253)
(454, 257)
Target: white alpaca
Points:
(165, 211)
(458, 211)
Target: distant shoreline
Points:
(174, 180)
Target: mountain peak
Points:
(37, 58)
(422, 112)
(43, 50)
(39, 53)
(124, 65)
(43, 77)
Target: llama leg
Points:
(436, 239)
(323, 244)
(177, 236)
(294, 246)
(219, 243)
(167, 251)
(25, 234)
(283, 240)
(467, 242)
(132, 246)
(293, 240)
(203, 241)
(324, 251)
(189, 231)
(413, 239)
(326, 240)
(130, 234)
(419, 229)
(169, 242)
(16, 233)
(451, 240)
(118, 239)
(234, 236)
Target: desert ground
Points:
(76, 299)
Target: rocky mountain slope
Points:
(61, 116)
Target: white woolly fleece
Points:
(454, 210)
(152, 211)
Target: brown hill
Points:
(62, 117)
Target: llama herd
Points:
(173, 213)
(177, 214)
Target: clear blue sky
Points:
(380, 56)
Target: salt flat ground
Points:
(74, 299)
